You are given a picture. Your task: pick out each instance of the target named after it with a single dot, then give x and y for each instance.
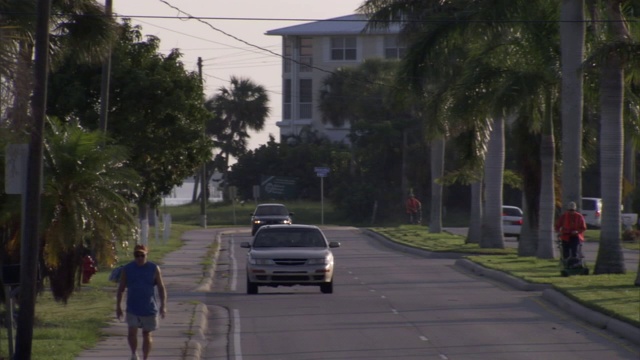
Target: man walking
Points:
(140, 277)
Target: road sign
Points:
(321, 171)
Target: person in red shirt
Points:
(571, 227)
(413, 207)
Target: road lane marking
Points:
(234, 272)
(237, 350)
(424, 338)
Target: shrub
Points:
(631, 235)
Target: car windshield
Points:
(588, 205)
(510, 212)
(289, 238)
(271, 210)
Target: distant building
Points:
(316, 49)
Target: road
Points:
(392, 305)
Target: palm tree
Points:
(572, 34)
(87, 203)
(237, 109)
(610, 257)
(79, 28)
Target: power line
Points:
(191, 17)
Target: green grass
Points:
(305, 212)
(418, 236)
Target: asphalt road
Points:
(392, 305)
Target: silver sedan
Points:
(288, 255)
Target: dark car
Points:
(288, 255)
(265, 214)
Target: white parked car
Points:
(592, 211)
(511, 221)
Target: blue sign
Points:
(321, 171)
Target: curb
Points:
(618, 327)
(500, 276)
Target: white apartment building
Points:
(311, 52)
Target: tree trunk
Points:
(628, 171)
(404, 182)
(196, 185)
(546, 235)
(610, 259)
(492, 232)
(572, 32)
(437, 171)
(528, 242)
(475, 222)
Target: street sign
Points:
(321, 171)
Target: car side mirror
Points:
(334, 244)
(245, 245)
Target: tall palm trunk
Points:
(492, 233)
(572, 32)
(404, 182)
(546, 238)
(610, 259)
(437, 171)
(475, 222)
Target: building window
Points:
(393, 47)
(286, 100)
(306, 54)
(287, 52)
(306, 99)
(343, 48)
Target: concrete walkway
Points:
(181, 335)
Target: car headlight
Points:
(288, 221)
(254, 261)
(319, 261)
(257, 222)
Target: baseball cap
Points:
(140, 249)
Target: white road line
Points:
(394, 311)
(234, 274)
(424, 338)
(237, 349)
(444, 357)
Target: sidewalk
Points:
(181, 335)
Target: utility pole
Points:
(203, 176)
(30, 244)
(106, 77)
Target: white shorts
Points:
(146, 323)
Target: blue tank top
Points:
(141, 296)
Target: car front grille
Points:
(290, 262)
(290, 278)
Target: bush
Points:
(631, 235)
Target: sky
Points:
(224, 55)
